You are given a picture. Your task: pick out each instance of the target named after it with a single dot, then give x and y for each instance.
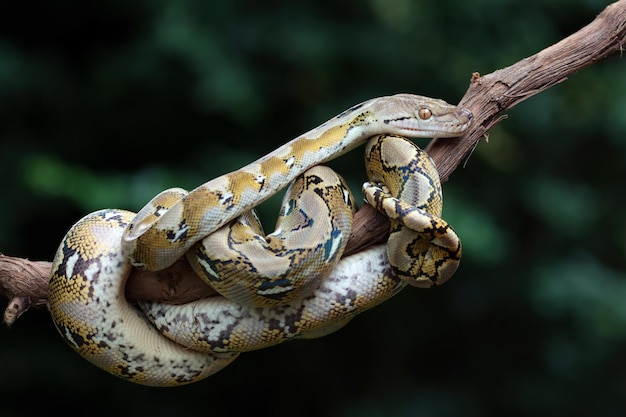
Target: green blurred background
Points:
(104, 104)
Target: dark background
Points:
(104, 104)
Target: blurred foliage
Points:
(103, 104)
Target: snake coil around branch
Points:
(25, 282)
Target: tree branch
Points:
(25, 282)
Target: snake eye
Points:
(424, 113)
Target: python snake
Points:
(93, 261)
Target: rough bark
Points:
(25, 282)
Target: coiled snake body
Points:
(308, 293)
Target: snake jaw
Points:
(443, 125)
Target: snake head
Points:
(423, 117)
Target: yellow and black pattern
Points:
(88, 307)
(156, 238)
(422, 250)
(243, 264)
(404, 185)
(358, 283)
(196, 340)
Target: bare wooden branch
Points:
(25, 282)
(490, 95)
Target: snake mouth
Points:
(460, 128)
(413, 128)
(438, 126)
(468, 116)
(455, 123)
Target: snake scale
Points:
(215, 226)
